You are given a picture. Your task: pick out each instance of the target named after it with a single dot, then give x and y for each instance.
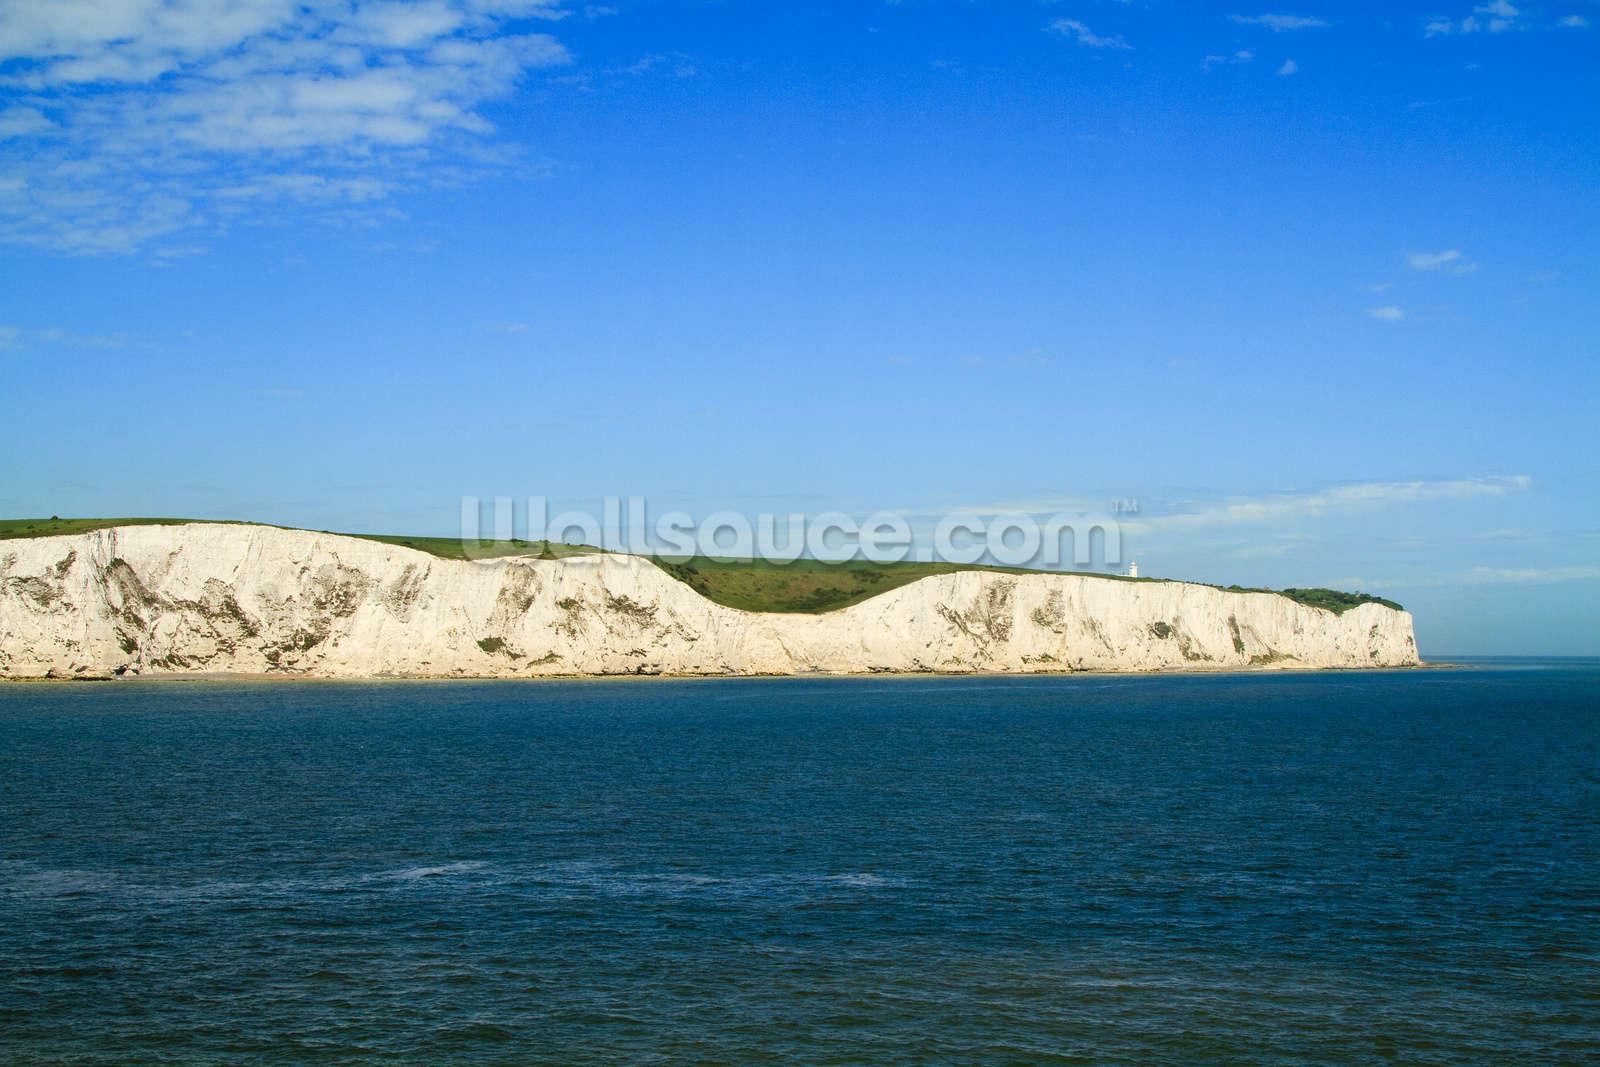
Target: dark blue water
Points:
(1265, 868)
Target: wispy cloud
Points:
(1495, 576)
(1280, 23)
(1035, 505)
(1432, 260)
(1450, 259)
(1356, 497)
(1494, 17)
(1574, 22)
(21, 121)
(677, 64)
(19, 338)
(1498, 13)
(1289, 67)
(1184, 517)
(1085, 36)
(1388, 313)
(1528, 575)
(1243, 55)
(131, 122)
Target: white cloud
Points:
(678, 64)
(55, 336)
(1497, 16)
(306, 187)
(1289, 67)
(172, 114)
(132, 40)
(1243, 55)
(1528, 575)
(1085, 36)
(1452, 259)
(1387, 314)
(1037, 505)
(1495, 576)
(406, 25)
(1574, 22)
(1280, 23)
(1433, 260)
(1361, 496)
(22, 121)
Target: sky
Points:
(1313, 286)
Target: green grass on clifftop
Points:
(805, 585)
(809, 585)
(455, 548)
(443, 547)
(54, 527)
(1333, 600)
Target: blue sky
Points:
(1314, 285)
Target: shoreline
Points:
(273, 678)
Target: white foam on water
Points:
(442, 870)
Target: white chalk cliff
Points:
(229, 598)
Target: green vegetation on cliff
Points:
(455, 548)
(54, 526)
(443, 547)
(1335, 601)
(804, 585)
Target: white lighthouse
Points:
(1133, 569)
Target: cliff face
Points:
(251, 599)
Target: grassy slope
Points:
(444, 547)
(1334, 600)
(53, 526)
(804, 585)
(810, 585)
(455, 548)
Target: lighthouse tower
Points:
(1133, 569)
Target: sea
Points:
(1390, 866)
